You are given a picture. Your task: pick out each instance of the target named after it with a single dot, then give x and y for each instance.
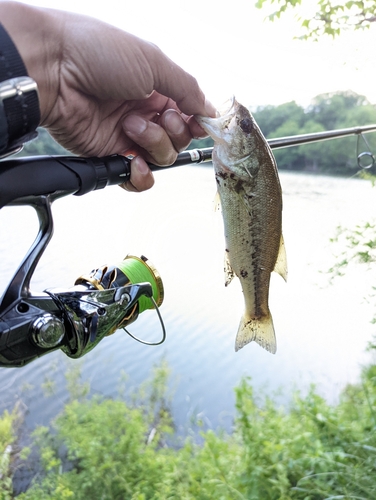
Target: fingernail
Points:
(174, 124)
(210, 109)
(141, 166)
(135, 124)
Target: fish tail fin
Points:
(259, 330)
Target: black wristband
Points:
(19, 104)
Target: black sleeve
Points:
(19, 104)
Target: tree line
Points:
(326, 112)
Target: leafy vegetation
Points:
(355, 245)
(110, 449)
(8, 431)
(330, 16)
(352, 246)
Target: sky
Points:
(232, 50)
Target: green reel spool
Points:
(140, 270)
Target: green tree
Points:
(270, 118)
(288, 158)
(335, 111)
(326, 112)
(331, 109)
(312, 154)
(331, 17)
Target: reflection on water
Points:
(321, 330)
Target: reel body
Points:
(74, 320)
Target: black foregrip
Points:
(44, 175)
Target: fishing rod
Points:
(205, 155)
(108, 298)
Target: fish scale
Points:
(251, 201)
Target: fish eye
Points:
(246, 125)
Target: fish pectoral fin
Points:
(281, 263)
(260, 330)
(217, 202)
(247, 194)
(229, 272)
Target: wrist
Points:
(35, 33)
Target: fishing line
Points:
(138, 272)
(162, 325)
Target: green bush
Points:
(8, 427)
(114, 450)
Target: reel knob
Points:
(47, 331)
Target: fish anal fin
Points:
(229, 272)
(258, 330)
(281, 263)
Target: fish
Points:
(250, 197)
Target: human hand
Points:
(103, 91)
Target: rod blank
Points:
(296, 140)
(203, 155)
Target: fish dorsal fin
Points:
(229, 272)
(281, 263)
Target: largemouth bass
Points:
(251, 200)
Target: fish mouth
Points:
(220, 126)
(226, 108)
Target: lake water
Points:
(322, 330)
